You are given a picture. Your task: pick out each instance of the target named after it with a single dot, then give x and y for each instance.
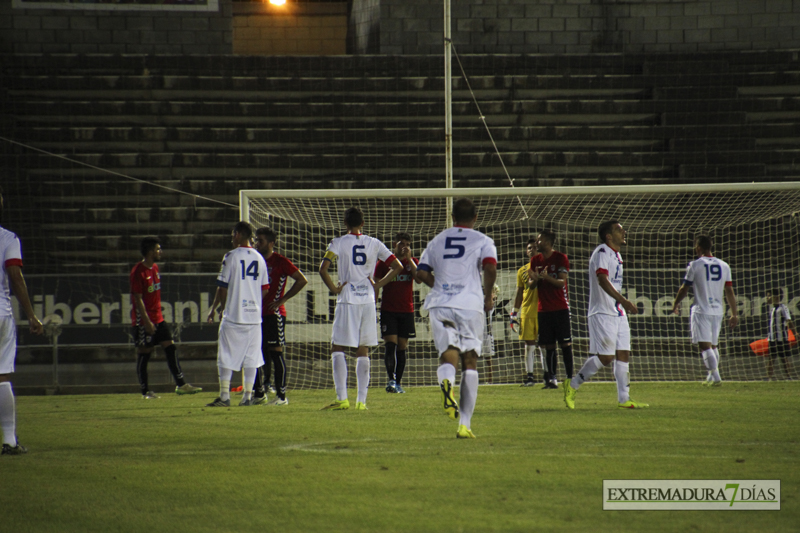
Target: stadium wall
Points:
(583, 26)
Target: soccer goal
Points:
(754, 227)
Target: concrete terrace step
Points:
(676, 63)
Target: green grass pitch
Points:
(119, 463)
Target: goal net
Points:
(753, 227)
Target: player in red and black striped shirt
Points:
(397, 310)
(149, 327)
(549, 271)
(273, 316)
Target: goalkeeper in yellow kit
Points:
(525, 316)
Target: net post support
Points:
(448, 110)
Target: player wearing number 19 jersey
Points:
(457, 304)
(711, 279)
(242, 284)
(355, 319)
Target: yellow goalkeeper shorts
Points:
(529, 327)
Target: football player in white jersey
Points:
(11, 281)
(609, 331)
(457, 305)
(355, 319)
(711, 279)
(242, 283)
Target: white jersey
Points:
(10, 255)
(357, 256)
(244, 274)
(605, 260)
(456, 257)
(708, 276)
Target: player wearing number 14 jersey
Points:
(711, 279)
(242, 284)
(354, 322)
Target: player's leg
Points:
(471, 329)
(547, 339)
(602, 343)
(564, 338)
(528, 333)
(224, 398)
(8, 406)
(250, 337)
(163, 336)
(279, 362)
(389, 329)
(342, 336)
(402, 357)
(772, 354)
(622, 367)
(786, 359)
(445, 338)
(368, 337)
(142, 360)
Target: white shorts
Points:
(355, 325)
(705, 328)
(8, 344)
(239, 346)
(608, 333)
(459, 328)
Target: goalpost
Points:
(754, 227)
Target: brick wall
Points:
(116, 31)
(581, 26)
(293, 29)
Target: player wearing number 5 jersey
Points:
(355, 319)
(242, 284)
(457, 305)
(711, 279)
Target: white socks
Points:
(530, 359)
(8, 414)
(362, 377)
(468, 395)
(446, 371)
(225, 375)
(249, 382)
(623, 381)
(589, 369)
(711, 362)
(340, 375)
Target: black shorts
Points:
(273, 330)
(554, 327)
(779, 349)
(400, 324)
(142, 340)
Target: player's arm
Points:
(326, 276)
(220, 297)
(682, 293)
(518, 297)
(396, 268)
(790, 325)
(608, 287)
(300, 281)
(412, 267)
(559, 282)
(731, 299)
(138, 301)
(20, 289)
(489, 278)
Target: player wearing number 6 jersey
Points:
(609, 331)
(457, 305)
(242, 284)
(711, 279)
(355, 319)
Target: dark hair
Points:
(532, 240)
(464, 210)
(775, 291)
(270, 234)
(353, 217)
(549, 234)
(402, 236)
(605, 228)
(148, 243)
(244, 229)
(704, 242)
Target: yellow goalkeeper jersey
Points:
(530, 296)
